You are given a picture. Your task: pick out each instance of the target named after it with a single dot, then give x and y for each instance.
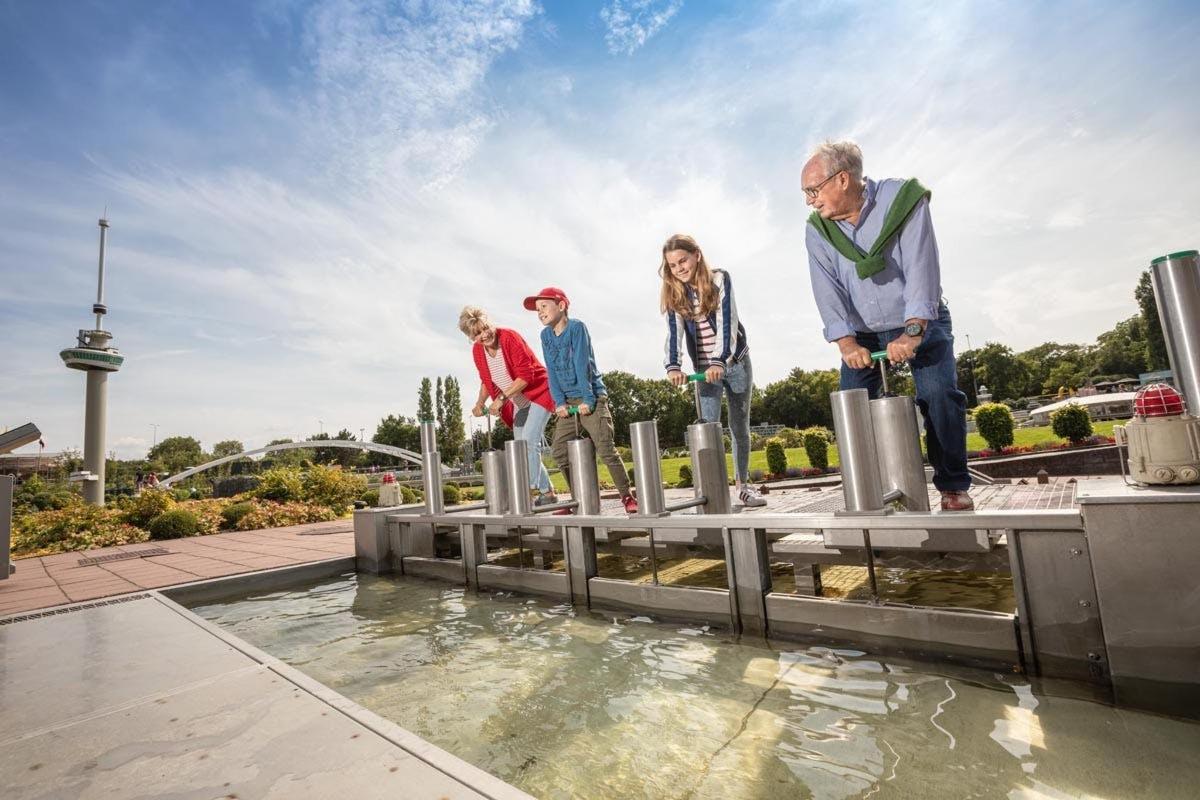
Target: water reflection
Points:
(569, 705)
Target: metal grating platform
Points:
(124, 556)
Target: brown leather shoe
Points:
(957, 501)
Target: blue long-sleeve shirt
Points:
(909, 287)
(571, 364)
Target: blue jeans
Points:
(942, 405)
(737, 384)
(530, 424)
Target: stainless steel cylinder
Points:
(856, 450)
(585, 482)
(429, 437)
(431, 481)
(710, 473)
(495, 482)
(643, 437)
(898, 446)
(516, 459)
(1176, 281)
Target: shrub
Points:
(995, 424)
(450, 494)
(332, 487)
(79, 527)
(370, 497)
(278, 515)
(756, 475)
(815, 441)
(281, 484)
(234, 485)
(148, 505)
(1072, 422)
(791, 437)
(174, 524)
(757, 442)
(231, 515)
(408, 496)
(776, 457)
(685, 477)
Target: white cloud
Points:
(630, 23)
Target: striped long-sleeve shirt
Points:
(729, 336)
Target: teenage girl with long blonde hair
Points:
(702, 316)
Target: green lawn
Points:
(798, 458)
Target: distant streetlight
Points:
(974, 383)
(154, 441)
(320, 427)
(361, 437)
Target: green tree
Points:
(322, 455)
(228, 447)
(1156, 346)
(396, 431)
(1039, 361)
(177, 453)
(425, 401)
(287, 458)
(440, 401)
(1122, 350)
(801, 400)
(1001, 371)
(344, 456)
(1066, 374)
(452, 433)
(633, 399)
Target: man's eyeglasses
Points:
(813, 191)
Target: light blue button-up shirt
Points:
(909, 287)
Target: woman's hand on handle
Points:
(676, 377)
(477, 411)
(714, 373)
(496, 406)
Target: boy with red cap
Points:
(575, 382)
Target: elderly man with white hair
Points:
(874, 265)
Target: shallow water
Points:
(567, 705)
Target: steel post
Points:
(643, 436)
(710, 473)
(431, 469)
(1176, 281)
(6, 495)
(495, 482)
(580, 543)
(898, 447)
(856, 450)
(585, 481)
(516, 458)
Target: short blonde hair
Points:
(472, 320)
(838, 156)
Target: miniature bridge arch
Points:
(386, 449)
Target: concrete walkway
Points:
(137, 697)
(61, 578)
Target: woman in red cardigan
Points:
(515, 381)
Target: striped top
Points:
(500, 376)
(706, 336)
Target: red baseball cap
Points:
(549, 293)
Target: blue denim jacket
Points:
(571, 364)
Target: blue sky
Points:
(304, 194)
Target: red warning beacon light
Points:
(1158, 400)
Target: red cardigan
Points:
(521, 363)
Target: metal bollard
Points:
(643, 436)
(856, 450)
(585, 482)
(898, 446)
(516, 458)
(495, 482)
(431, 469)
(1176, 282)
(710, 473)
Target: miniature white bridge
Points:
(386, 449)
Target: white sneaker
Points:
(750, 497)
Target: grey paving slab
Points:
(139, 699)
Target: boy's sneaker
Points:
(630, 503)
(750, 497)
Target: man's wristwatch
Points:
(914, 329)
